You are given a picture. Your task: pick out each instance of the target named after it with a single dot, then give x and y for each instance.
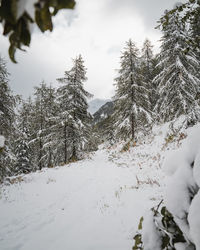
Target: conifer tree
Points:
(132, 106)
(41, 116)
(194, 35)
(7, 118)
(74, 119)
(148, 63)
(147, 57)
(178, 81)
(7, 101)
(23, 150)
(50, 142)
(38, 123)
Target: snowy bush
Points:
(158, 230)
(178, 225)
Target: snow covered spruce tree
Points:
(194, 36)
(46, 106)
(49, 132)
(178, 81)
(194, 32)
(7, 118)
(42, 120)
(73, 118)
(23, 150)
(131, 100)
(149, 71)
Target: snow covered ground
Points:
(93, 204)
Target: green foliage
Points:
(165, 226)
(140, 223)
(138, 242)
(138, 237)
(169, 138)
(18, 27)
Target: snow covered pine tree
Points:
(74, 118)
(178, 81)
(7, 118)
(177, 226)
(131, 100)
(149, 71)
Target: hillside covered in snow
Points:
(124, 177)
(95, 104)
(94, 204)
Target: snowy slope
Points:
(104, 112)
(94, 204)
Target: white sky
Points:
(96, 29)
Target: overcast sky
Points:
(96, 29)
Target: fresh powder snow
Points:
(182, 194)
(92, 204)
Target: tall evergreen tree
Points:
(73, 115)
(49, 132)
(7, 118)
(23, 150)
(148, 64)
(7, 101)
(194, 35)
(132, 106)
(38, 125)
(178, 82)
(41, 116)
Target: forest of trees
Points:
(52, 129)
(55, 127)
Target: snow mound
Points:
(182, 195)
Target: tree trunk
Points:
(132, 127)
(132, 100)
(50, 158)
(65, 143)
(40, 142)
(40, 154)
(74, 157)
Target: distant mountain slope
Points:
(104, 111)
(95, 104)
